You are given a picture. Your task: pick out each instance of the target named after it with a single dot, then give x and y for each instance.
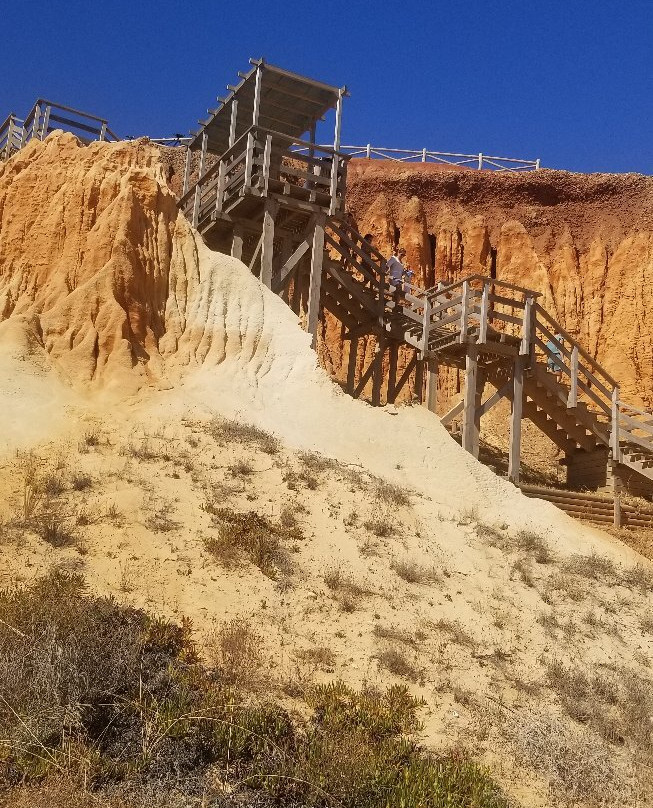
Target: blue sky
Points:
(569, 82)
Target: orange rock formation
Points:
(584, 241)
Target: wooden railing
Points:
(11, 136)
(477, 161)
(45, 117)
(263, 161)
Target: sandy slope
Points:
(481, 626)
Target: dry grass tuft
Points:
(413, 572)
(391, 494)
(381, 526)
(346, 590)
(398, 664)
(236, 651)
(593, 566)
(455, 630)
(228, 431)
(395, 634)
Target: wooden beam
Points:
(514, 452)
(393, 354)
(232, 123)
(267, 245)
(256, 253)
(187, 165)
(454, 412)
(482, 333)
(572, 401)
(377, 373)
(257, 95)
(351, 364)
(406, 374)
(470, 419)
(237, 242)
(419, 380)
(431, 384)
(503, 392)
(315, 283)
(464, 313)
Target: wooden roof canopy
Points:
(288, 103)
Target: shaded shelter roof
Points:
(289, 104)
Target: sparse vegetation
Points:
(455, 630)
(396, 634)
(391, 494)
(413, 572)
(346, 590)
(593, 566)
(81, 482)
(236, 651)
(229, 431)
(398, 664)
(112, 700)
(381, 526)
(160, 520)
(252, 535)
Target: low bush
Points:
(229, 431)
(103, 700)
(413, 572)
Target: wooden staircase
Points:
(564, 391)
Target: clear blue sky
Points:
(569, 81)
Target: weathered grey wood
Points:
(572, 401)
(503, 392)
(419, 380)
(526, 346)
(393, 353)
(46, 122)
(249, 157)
(514, 451)
(470, 430)
(291, 263)
(482, 332)
(426, 325)
(406, 374)
(189, 155)
(454, 412)
(233, 121)
(267, 245)
(377, 373)
(256, 253)
(315, 282)
(257, 95)
(464, 309)
(431, 385)
(219, 194)
(616, 494)
(351, 364)
(237, 242)
(266, 163)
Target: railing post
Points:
(424, 155)
(103, 132)
(187, 169)
(573, 392)
(480, 161)
(614, 433)
(333, 192)
(368, 150)
(464, 313)
(426, 325)
(219, 198)
(249, 157)
(36, 120)
(527, 328)
(266, 162)
(46, 122)
(537, 164)
(485, 299)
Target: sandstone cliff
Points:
(584, 241)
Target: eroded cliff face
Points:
(584, 241)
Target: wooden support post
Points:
(485, 299)
(419, 380)
(470, 419)
(393, 354)
(315, 283)
(267, 245)
(377, 373)
(616, 493)
(237, 241)
(464, 312)
(249, 160)
(614, 431)
(198, 186)
(46, 122)
(431, 385)
(189, 155)
(426, 325)
(527, 334)
(266, 163)
(351, 365)
(103, 132)
(514, 456)
(572, 400)
(257, 95)
(232, 123)
(36, 121)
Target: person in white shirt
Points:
(396, 271)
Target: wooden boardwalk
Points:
(268, 194)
